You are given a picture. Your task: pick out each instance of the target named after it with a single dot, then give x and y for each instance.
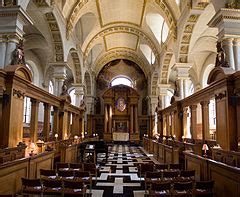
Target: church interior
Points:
(129, 98)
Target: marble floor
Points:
(118, 176)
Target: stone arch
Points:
(88, 83)
(56, 37)
(154, 84)
(77, 66)
(164, 71)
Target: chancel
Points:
(120, 98)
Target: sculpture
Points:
(64, 89)
(221, 56)
(18, 55)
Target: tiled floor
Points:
(118, 177)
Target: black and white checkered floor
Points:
(119, 177)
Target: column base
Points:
(107, 137)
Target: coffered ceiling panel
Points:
(126, 11)
(121, 40)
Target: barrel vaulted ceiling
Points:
(106, 30)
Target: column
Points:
(79, 93)
(55, 121)
(205, 120)
(46, 123)
(160, 123)
(110, 119)
(77, 124)
(13, 20)
(136, 119)
(236, 52)
(185, 114)
(170, 122)
(167, 125)
(162, 89)
(226, 22)
(131, 118)
(34, 120)
(69, 124)
(73, 124)
(193, 127)
(105, 118)
(228, 48)
(182, 77)
(59, 76)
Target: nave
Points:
(119, 176)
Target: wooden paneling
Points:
(11, 174)
(227, 179)
(41, 161)
(69, 154)
(197, 163)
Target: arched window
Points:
(50, 87)
(121, 80)
(206, 73)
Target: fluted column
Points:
(193, 126)
(236, 51)
(228, 48)
(167, 125)
(69, 124)
(46, 123)
(55, 120)
(34, 120)
(136, 119)
(182, 77)
(59, 76)
(185, 114)
(79, 93)
(205, 120)
(105, 118)
(73, 124)
(131, 119)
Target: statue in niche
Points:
(18, 55)
(221, 56)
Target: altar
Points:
(120, 136)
